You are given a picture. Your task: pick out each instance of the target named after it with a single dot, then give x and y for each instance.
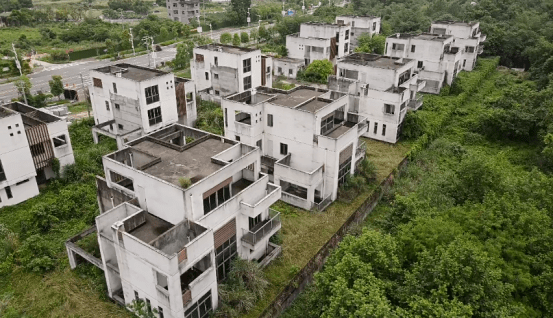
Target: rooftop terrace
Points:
(375, 60)
(132, 72)
(5, 112)
(455, 22)
(31, 116)
(421, 36)
(296, 97)
(227, 48)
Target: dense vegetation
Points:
(466, 231)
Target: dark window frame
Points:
(152, 94)
(154, 116)
(247, 65)
(283, 149)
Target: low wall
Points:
(316, 263)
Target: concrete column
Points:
(311, 194)
(72, 257)
(95, 136)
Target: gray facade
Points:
(183, 11)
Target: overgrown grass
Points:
(304, 233)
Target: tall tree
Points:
(56, 86)
(240, 7)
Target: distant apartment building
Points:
(467, 36)
(222, 70)
(439, 58)
(169, 243)
(319, 41)
(30, 141)
(130, 101)
(309, 139)
(183, 11)
(359, 25)
(381, 89)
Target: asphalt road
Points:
(71, 72)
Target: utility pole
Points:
(211, 31)
(146, 41)
(153, 52)
(20, 72)
(303, 7)
(84, 91)
(132, 42)
(249, 20)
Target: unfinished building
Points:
(177, 206)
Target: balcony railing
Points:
(480, 49)
(361, 148)
(323, 204)
(162, 295)
(269, 226)
(417, 102)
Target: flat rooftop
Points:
(289, 60)
(295, 98)
(338, 131)
(132, 72)
(314, 105)
(357, 16)
(152, 228)
(31, 116)
(374, 60)
(227, 48)
(455, 22)
(194, 162)
(4, 112)
(422, 36)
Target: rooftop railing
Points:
(252, 237)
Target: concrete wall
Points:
(186, 12)
(63, 153)
(287, 68)
(16, 159)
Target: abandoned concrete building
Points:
(185, 11)
(221, 70)
(287, 66)
(130, 101)
(381, 89)
(359, 25)
(439, 59)
(467, 36)
(176, 207)
(309, 139)
(30, 141)
(319, 41)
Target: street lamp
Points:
(249, 17)
(211, 31)
(303, 6)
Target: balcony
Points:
(480, 49)
(163, 295)
(254, 204)
(301, 173)
(196, 279)
(243, 129)
(361, 150)
(262, 230)
(417, 102)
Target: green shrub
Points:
(36, 254)
(316, 72)
(185, 182)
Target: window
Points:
(115, 88)
(347, 34)
(283, 149)
(237, 138)
(327, 123)
(343, 171)
(216, 198)
(247, 65)
(160, 312)
(201, 309)
(148, 305)
(37, 149)
(174, 5)
(224, 255)
(216, 61)
(345, 48)
(226, 118)
(374, 26)
(60, 141)
(270, 120)
(9, 192)
(469, 49)
(412, 49)
(97, 82)
(419, 64)
(152, 94)
(2, 173)
(120, 126)
(247, 82)
(216, 76)
(279, 70)
(136, 296)
(259, 143)
(175, 11)
(207, 76)
(464, 63)
(375, 128)
(398, 47)
(389, 109)
(383, 129)
(268, 69)
(254, 221)
(107, 105)
(217, 92)
(154, 116)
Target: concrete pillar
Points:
(311, 194)
(95, 136)
(72, 257)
